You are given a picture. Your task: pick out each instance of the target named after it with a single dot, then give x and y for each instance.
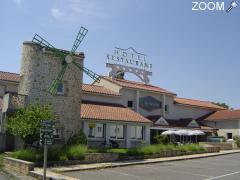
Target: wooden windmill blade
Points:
(37, 39)
(89, 72)
(67, 59)
(53, 87)
(80, 36)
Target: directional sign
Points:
(46, 132)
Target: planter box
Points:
(12, 164)
(24, 166)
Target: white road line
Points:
(199, 167)
(121, 173)
(175, 171)
(224, 175)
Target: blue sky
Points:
(194, 53)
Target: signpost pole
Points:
(45, 162)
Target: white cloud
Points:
(78, 10)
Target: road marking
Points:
(199, 167)
(175, 171)
(224, 175)
(121, 173)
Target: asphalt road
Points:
(4, 176)
(226, 167)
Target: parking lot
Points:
(218, 167)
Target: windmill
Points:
(66, 59)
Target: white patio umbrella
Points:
(182, 132)
(170, 133)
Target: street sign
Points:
(46, 138)
(46, 133)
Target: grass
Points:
(76, 152)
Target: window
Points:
(95, 130)
(166, 108)
(60, 88)
(229, 135)
(116, 131)
(99, 131)
(136, 132)
(130, 104)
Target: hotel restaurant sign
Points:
(129, 60)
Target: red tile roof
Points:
(98, 90)
(224, 115)
(137, 85)
(1, 102)
(110, 113)
(7, 76)
(197, 103)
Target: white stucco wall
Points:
(127, 131)
(108, 84)
(226, 126)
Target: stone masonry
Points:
(38, 69)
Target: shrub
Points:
(25, 123)
(237, 140)
(79, 138)
(161, 139)
(190, 148)
(76, 152)
(27, 155)
(63, 157)
(54, 153)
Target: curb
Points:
(109, 165)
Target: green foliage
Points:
(1, 160)
(25, 123)
(27, 155)
(79, 138)
(54, 153)
(190, 148)
(161, 139)
(76, 152)
(237, 140)
(224, 105)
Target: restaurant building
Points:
(113, 109)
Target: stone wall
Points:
(12, 164)
(38, 70)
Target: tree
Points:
(224, 105)
(26, 122)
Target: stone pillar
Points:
(38, 70)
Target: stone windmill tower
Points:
(52, 76)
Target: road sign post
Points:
(46, 138)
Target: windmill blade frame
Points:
(80, 36)
(53, 87)
(37, 39)
(89, 72)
